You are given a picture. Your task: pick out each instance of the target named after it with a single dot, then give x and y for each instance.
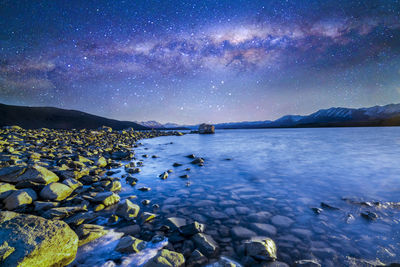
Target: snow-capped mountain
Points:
(151, 124)
(336, 116)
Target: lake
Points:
(304, 188)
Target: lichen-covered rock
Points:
(55, 191)
(19, 198)
(34, 241)
(89, 232)
(166, 258)
(72, 183)
(106, 198)
(10, 174)
(127, 210)
(37, 174)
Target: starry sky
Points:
(199, 61)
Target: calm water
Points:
(283, 172)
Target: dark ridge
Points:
(57, 118)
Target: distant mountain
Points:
(56, 118)
(151, 124)
(388, 115)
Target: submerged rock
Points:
(242, 233)
(35, 241)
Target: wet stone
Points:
(264, 229)
(242, 233)
(281, 221)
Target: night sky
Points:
(199, 61)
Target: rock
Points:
(145, 202)
(175, 222)
(36, 241)
(263, 249)
(197, 161)
(176, 164)
(106, 198)
(307, 263)
(371, 216)
(166, 258)
(147, 216)
(327, 206)
(36, 174)
(72, 183)
(127, 209)
(89, 232)
(120, 155)
(263, 228)
(277, 264)
(242, 233)
(164, 175)
(130, 244)
(5, 187)
(205, 244)
(10, 174)
(191, 156)
(197, 259)
(192, 228)
(114, 186)
(101, 162)
(19, 198)
(317, 210)
(144, 189)
(55, 191)
(185, 176)
(5, 251)
(62, 212)
(206, 128)
(44, 205)
(282, 221)
(130, 230)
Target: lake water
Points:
(258, 176)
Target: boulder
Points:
(106, 198)
(55, 191)
(34, 241)
(127, 210)
(166, 258)
(19, 198)
(72, 183)
(130, 244)
(10, 174)
(206, 128)
(261, 249)
(37, 174)
(205, 244)
(101, 162)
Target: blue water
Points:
(283, 172)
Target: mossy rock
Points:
(34, 241)
(166, 258)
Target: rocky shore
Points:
(56, 184)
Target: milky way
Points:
(194, 61)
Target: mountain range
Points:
(49, 117)
(388, 115)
